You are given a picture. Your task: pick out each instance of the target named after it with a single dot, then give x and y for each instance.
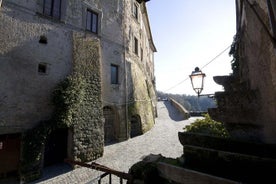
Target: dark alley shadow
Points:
(174, 114)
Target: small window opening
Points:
(43, 40)
(142, 54)
(114, 74)
(135, 11)
(135, 45)
(42, 68)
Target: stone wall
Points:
(258, 64)
(88, 119)
(142, 99)
(180, 108)
(249, 101)
(141, 81)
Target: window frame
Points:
(92, 15)
(52, 9)
(114, 77)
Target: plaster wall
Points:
(23, 22)
(118, 29)
(25, 92)
(142, 71)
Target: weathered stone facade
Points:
(248, 105)
(52, 53)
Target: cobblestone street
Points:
(161, 139)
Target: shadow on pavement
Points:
(54, 171)
(174, 114)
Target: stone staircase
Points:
(237, 108)
(240, 161)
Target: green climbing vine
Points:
(76, 99)
(66, 98)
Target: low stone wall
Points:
(236, 160)
(184, 175)
(180, 108)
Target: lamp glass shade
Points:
(197, 80)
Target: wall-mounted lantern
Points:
(197, 80)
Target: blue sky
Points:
(190, 33)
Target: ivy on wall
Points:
(234, 52)
(67, 98)
(33, 142)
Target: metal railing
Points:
(107, 171)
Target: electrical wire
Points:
(148, 100)
(200, 68)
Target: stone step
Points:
(236, 160)
(230, 165)
(228, 145)
(238, 99)
(234, 115)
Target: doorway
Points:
(109, 125)
(136, 126)
(56, 147)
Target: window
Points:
(114, 74)
(42, 68)
(92, 21)
(141, 54)
(43, 39)
(52, 8)
(135, 45)
(135, 11)
(272, 14)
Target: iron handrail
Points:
(103, 168)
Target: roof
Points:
(148, 28)
(140, 1)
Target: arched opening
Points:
(109, 125)
(136, 126)
(56, 147)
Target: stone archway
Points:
(109, 125)
(136, 126)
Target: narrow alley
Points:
(161, 139)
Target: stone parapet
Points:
(180, 108)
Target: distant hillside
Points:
(191, 103)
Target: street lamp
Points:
(197, 80)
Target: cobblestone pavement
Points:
(161, 139)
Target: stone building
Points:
(75, 74)
(248, 105)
